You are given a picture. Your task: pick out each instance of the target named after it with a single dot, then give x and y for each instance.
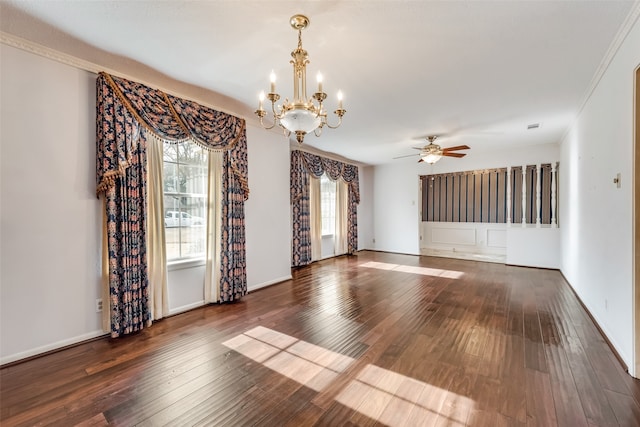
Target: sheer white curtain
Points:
(342, 209)
(315, 218)
(156, 249)
(214, 213)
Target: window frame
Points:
(199, 258)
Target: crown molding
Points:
(54, 55)
(621, 35)
(72, 61)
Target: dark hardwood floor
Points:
(370, 339)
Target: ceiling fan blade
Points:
(417, 148)
(454, 154)
(457, 147)
(408, 155)
(421, 160)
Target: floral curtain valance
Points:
(171, 119)
(317, 166)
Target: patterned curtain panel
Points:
(302, 166)
(121, 173)
(300, 212)
(233, 266)
(122, 107)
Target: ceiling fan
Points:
(432, 152)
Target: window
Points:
(185, 200)
(328, 205)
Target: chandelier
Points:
(301, 115)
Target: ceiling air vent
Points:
(533, 126)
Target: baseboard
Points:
(538, 268)
(469, 256)
(595, 322)
(268, 283)
(49, 348)
(187, 307)
(388, 252)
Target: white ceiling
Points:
(475, 72)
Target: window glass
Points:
(185, 200)
(328, 205)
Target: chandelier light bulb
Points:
(261, 98)
(272, 79)
(319, 77)
(339, 99)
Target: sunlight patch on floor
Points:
(425, 271)
(397, 400)
(312, 366)
(385, 396)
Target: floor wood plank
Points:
(370, 339)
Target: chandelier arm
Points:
(336, 126)
(265, 126)
(319, 97)
(276, 116)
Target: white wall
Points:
(395, 209)
(365, 208)
(596, 227)
(268, 212)
(533, 247)
(185, 286)
(396, 194)
(50, 218)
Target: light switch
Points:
(616, 180)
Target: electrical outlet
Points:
(98, 305)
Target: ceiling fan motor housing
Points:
(431, 149)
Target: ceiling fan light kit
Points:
(301, 115)
(432, 152)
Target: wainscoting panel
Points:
(454, 236)
(496, 238)
(529, 246)
(468, 240)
